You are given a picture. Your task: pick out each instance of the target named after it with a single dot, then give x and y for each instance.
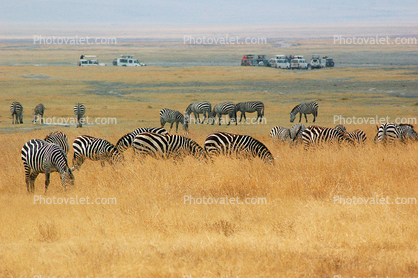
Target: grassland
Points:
(300, 230)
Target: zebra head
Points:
(67, 177)
(292, 117)
(124, 142)
(114, 156)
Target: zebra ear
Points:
(377, 128)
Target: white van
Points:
(298, 63)
(88, 61)
(127, 61)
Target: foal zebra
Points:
(280, 133)
(251, 107)
(226, 108)
(173, 116)
(304, 108)
(166, 146)
(316, 135)
(94, 149)
(126, 141)
(79, 111)
(389, 132)
(17, 112)
(199, 107)
(239, 145)
(42, 157)
(39, 113)
(59, 138)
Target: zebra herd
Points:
(16, 109)
(50, 155)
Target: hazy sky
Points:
(212, 12)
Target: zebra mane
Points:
(408, 125)
(294, 109)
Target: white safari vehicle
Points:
(88, 61)
(317, 62)
(127, 61)
(280, 62)
(298, 62)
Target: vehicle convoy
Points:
(298, 62)
(89, 60)
(127, 61)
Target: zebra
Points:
(126, 141)
(86, 146)
(389, 132)
(304, 108)
(223, 109)
(42, 157)
(296, 132)
(240, 145)
(251, 107)
(39, 113)
(280, 133)
(17, 112)
(409, 132)
(59, 138)
(315, 135)
(167, 146)
(79, 111)
(340, 128)
(173, 116)
(357, 136)
(199, 107)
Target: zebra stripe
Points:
(173, 116)
(197, 108)
(94, 149)
(357, 136)
(251, 107)
(316, 135)
(42, 157)
(296, 132)
(409, 132)
(234, 144)
(79, 111)
(17, 112)
(304, 108)
(166, 146)
(226, 108)
(126, 141)
(39, 113)
(280, 133)
(58, 138)
(389, 132)
(340, 128)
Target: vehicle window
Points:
(123, 60)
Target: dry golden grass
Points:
(150, 231)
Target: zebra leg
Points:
(197, 117)
(42, 118)
(27, 177)
(204, 117)
(314, 117)
(300, 118)
(47, 180)
(171, 126)
(102, 163)
(306, 118)
(177, 127)
(32, 179)
(220, 118)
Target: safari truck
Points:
(127, 61)
(88, 61)
(298, 62)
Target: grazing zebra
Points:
(173, 116)
(199, 107)
(39, 113)
(226, 108)
(126, 141)
(251, 107)
(234, 144)
(17, 112)
(409, 132)
(42, 157)
(389, 132)
(280, 133)
(304, 108)
(79, 111)
(166, 146)
(296, 132)
(357, 136)
(59, 138)
(94, 149)
(315, 135)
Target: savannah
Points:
(326, 212)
